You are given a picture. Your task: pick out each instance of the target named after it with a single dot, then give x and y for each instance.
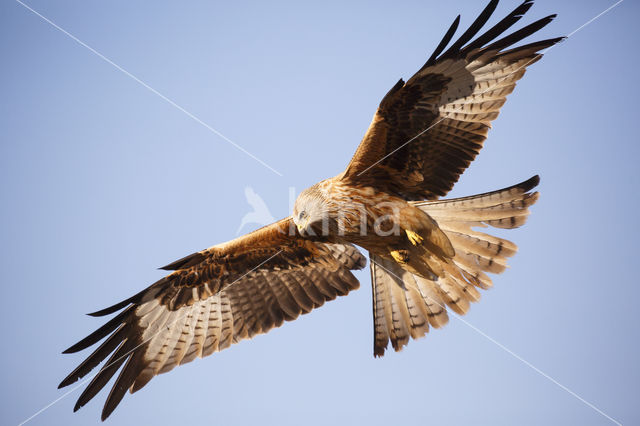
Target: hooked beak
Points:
(302, 227)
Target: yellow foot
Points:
(400, 256)
(415, 238)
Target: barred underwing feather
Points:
(288, 306)
(296, 291)
(194, 348)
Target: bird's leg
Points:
(415, 238)
(401, 256)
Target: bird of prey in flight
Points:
(425, 253)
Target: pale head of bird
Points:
(311, 212)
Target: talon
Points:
(400, 256)
(415, 238)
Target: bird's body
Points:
(425, 254)
(384, 224)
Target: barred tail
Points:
(405, 305)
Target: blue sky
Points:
(102, 181)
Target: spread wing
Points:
(427, 131)
(214, 298)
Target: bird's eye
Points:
(302, 215)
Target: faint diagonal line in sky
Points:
(128, 74)
(513, 354)
(594, 18)
(492, 87)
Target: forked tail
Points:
(405, 305)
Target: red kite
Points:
(424, 254)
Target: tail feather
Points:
(405, 305)
(467, 287)
(437, 314)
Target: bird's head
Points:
(311, 212)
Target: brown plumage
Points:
(406, 304)
(216, 297)
(455, 96)
(425, 255)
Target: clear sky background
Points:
(102, 181)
